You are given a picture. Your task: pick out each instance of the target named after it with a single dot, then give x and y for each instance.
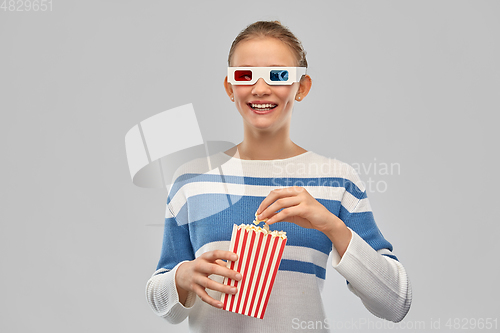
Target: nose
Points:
(261, 88)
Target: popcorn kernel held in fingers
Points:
(257, 221)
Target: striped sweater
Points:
(203, 206)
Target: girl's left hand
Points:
(299, 207)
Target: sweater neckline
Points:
(289, 159)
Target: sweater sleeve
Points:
(161, 290)
(372, 272)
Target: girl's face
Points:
(263, 52)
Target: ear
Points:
(229, 88)
(304, 87)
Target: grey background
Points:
(409, 82)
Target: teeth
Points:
(262, 106)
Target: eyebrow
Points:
(264, 66)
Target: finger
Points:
(284, 214)
(208, 283)
(207, 268)
(271, 197)
(202, 293)
(219, 254)
(279, 204)
(221, 262)
(278, 193)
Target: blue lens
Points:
(279, 75)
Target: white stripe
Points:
(220, 245)
(263, 288)
(312, 166)
(305, 254)
(348, 201)
(239, 249)
(256, 276)
(197, 188)
(245, 267)
(274, 268)
(291, 252)
(264, 262)
(168, 213)
(363, 206)
(257, 261)
(317, 167)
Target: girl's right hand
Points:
(193, 276)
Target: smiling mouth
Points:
(262, 107)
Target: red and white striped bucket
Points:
(259, 257)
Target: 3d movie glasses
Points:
(272, 75)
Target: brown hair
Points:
(271, 29)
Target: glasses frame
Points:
(294, 75)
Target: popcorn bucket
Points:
(259, 255)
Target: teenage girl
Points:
(321, 219)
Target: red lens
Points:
(242, 75)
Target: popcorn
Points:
(257, 221)
(259, 255)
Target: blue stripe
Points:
(175, 246)
(364, 225)
(267, 181)
(213, 222)
(302, 267)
